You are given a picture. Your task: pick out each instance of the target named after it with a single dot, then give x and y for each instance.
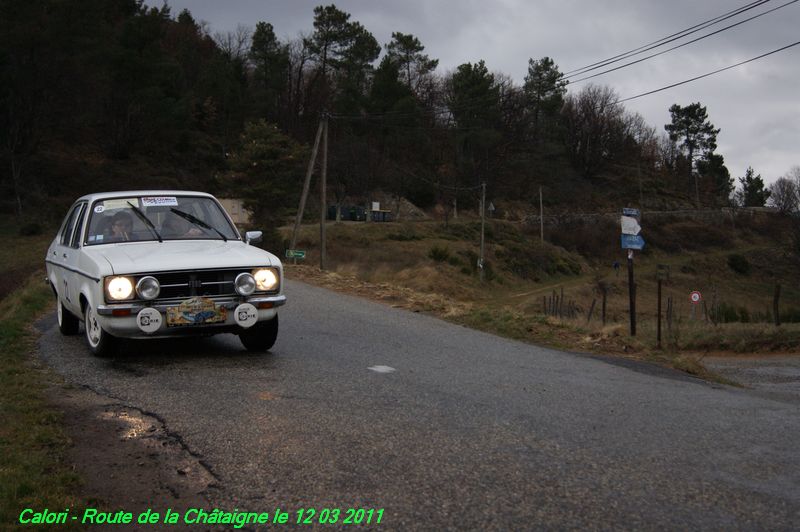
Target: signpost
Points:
(295, 254)
(631, 240)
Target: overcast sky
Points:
(757, 106)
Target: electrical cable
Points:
(682, 44)
(707, 74)
(667, 39)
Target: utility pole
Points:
(322, 192)
(541, 216)
(306, 184)
(483, 223)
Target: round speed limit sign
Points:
(695, 297)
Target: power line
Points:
(666, 40)
(683, 44)
(708, 74)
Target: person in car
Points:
(176, 227)
(120, 228)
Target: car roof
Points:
(128, 193)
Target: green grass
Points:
(33, 470)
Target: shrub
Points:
(739, 264)
(30, 229)
(439, 254)
(403, 237)
(725, 313)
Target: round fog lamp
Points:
(245, 284)
(148, 287)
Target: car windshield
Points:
(142, 218)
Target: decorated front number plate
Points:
(196, 311)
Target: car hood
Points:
(141, 257)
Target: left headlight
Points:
(119, 288)
(267, 279)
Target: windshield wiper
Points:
(146, 220)
(198, 222)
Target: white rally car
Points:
(157, 263)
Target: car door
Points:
(67, 253)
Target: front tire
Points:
(100, 343)
(68, 324)
(261, 336)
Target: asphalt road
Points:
(469, 431)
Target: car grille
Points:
(209, 283)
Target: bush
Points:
(439, 254)
(739, 264)
(30, 229)
(529, 262)
(725, 313)
(403, 237)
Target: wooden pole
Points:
(605, 294)
(631, 293)
(775, 306)
(591, 309)
(306, 185)
(658, 330)
(322, 194)
(483, 223)
(541, 216)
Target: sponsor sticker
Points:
(245, 315)
(159, 201)
(149, 320)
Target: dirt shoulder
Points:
(125, 457)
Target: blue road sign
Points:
(634, 213)
(632, 242)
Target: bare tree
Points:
(235, 44)
(594, 127)
(783, 195)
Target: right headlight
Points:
(267, 279)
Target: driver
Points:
(120, 229)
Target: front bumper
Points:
(121, 319)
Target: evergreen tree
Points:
(544, 88)
(718, 179)
(413, 66)
(697, 136)
(753, 193)
(270, 59)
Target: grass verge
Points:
(33, 469)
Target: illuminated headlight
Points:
(119, 288)
(245, 284)
(266, 279)
(148, 287)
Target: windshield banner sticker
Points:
(159, 201)
(119, 203)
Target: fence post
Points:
(775, 307)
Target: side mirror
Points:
(253, 236)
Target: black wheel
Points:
(68, 323)
(100, 343)
(261, 336)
